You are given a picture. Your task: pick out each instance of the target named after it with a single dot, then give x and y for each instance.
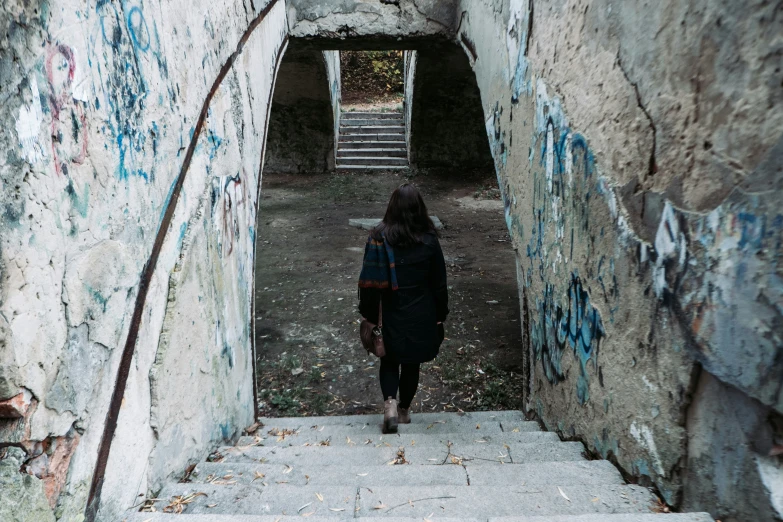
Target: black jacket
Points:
(411, 313)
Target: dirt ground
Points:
(311, 361)
(382, 104)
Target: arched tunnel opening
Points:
(315, 211)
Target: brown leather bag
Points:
(372, 334)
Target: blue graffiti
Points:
(137, 27)
(575, 326)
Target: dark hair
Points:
(406, 220)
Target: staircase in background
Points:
(487, 466)
(372, 140)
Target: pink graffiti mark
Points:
(233, 199)
(60, 70)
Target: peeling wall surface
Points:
(638, 148)
(100, 102)
(371, 24)
(302, 120)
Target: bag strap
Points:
(380, 313)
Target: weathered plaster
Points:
(726, 472)
(99, 103)
(332, 59)
(640, 256)
(367, 24)
(637, 147)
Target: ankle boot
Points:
(403, 415)
(390, 416)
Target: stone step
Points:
(355, 436)
(558, 473)
(505, 420)
(410, 501)
(372, 129)
(371, 144)
(370, 136)
(371, 121)
(489, 501)
(604, 517)
(371, 167)
(228, 473)
(477, 454)
(388, 153)
(365, 115)
(620, 517)
(377, 160)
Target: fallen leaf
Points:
(336, 509)
(311, 513)
(301, 508)
(179, 501)
(211, 505)
(515, 430)
(563, 494)
(361, 474)
(320, 497)
(258, 475)
(380, 506)
(288, 469)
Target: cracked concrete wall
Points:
(99, 103)
(370, 24)
(640, 194)
(302, 120)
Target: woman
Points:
(404, 270)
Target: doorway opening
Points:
(372, 80)
(311, 232)
(372, 130)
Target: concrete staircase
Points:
(489, 466)
(372, 140)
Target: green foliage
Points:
(371, 74)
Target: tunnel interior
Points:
(309, 254)
(300, 137)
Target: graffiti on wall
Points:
(228, 198)
(69, 129)
(567, 323)
(699, 267)
(126, 38)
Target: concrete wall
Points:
(409, 84)
(371, 24)
(446, 119)
(105, 107)
(638, 149)
(302, 123)
(332, 59)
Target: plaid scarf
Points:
(378, 266)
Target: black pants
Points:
(404, 377)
